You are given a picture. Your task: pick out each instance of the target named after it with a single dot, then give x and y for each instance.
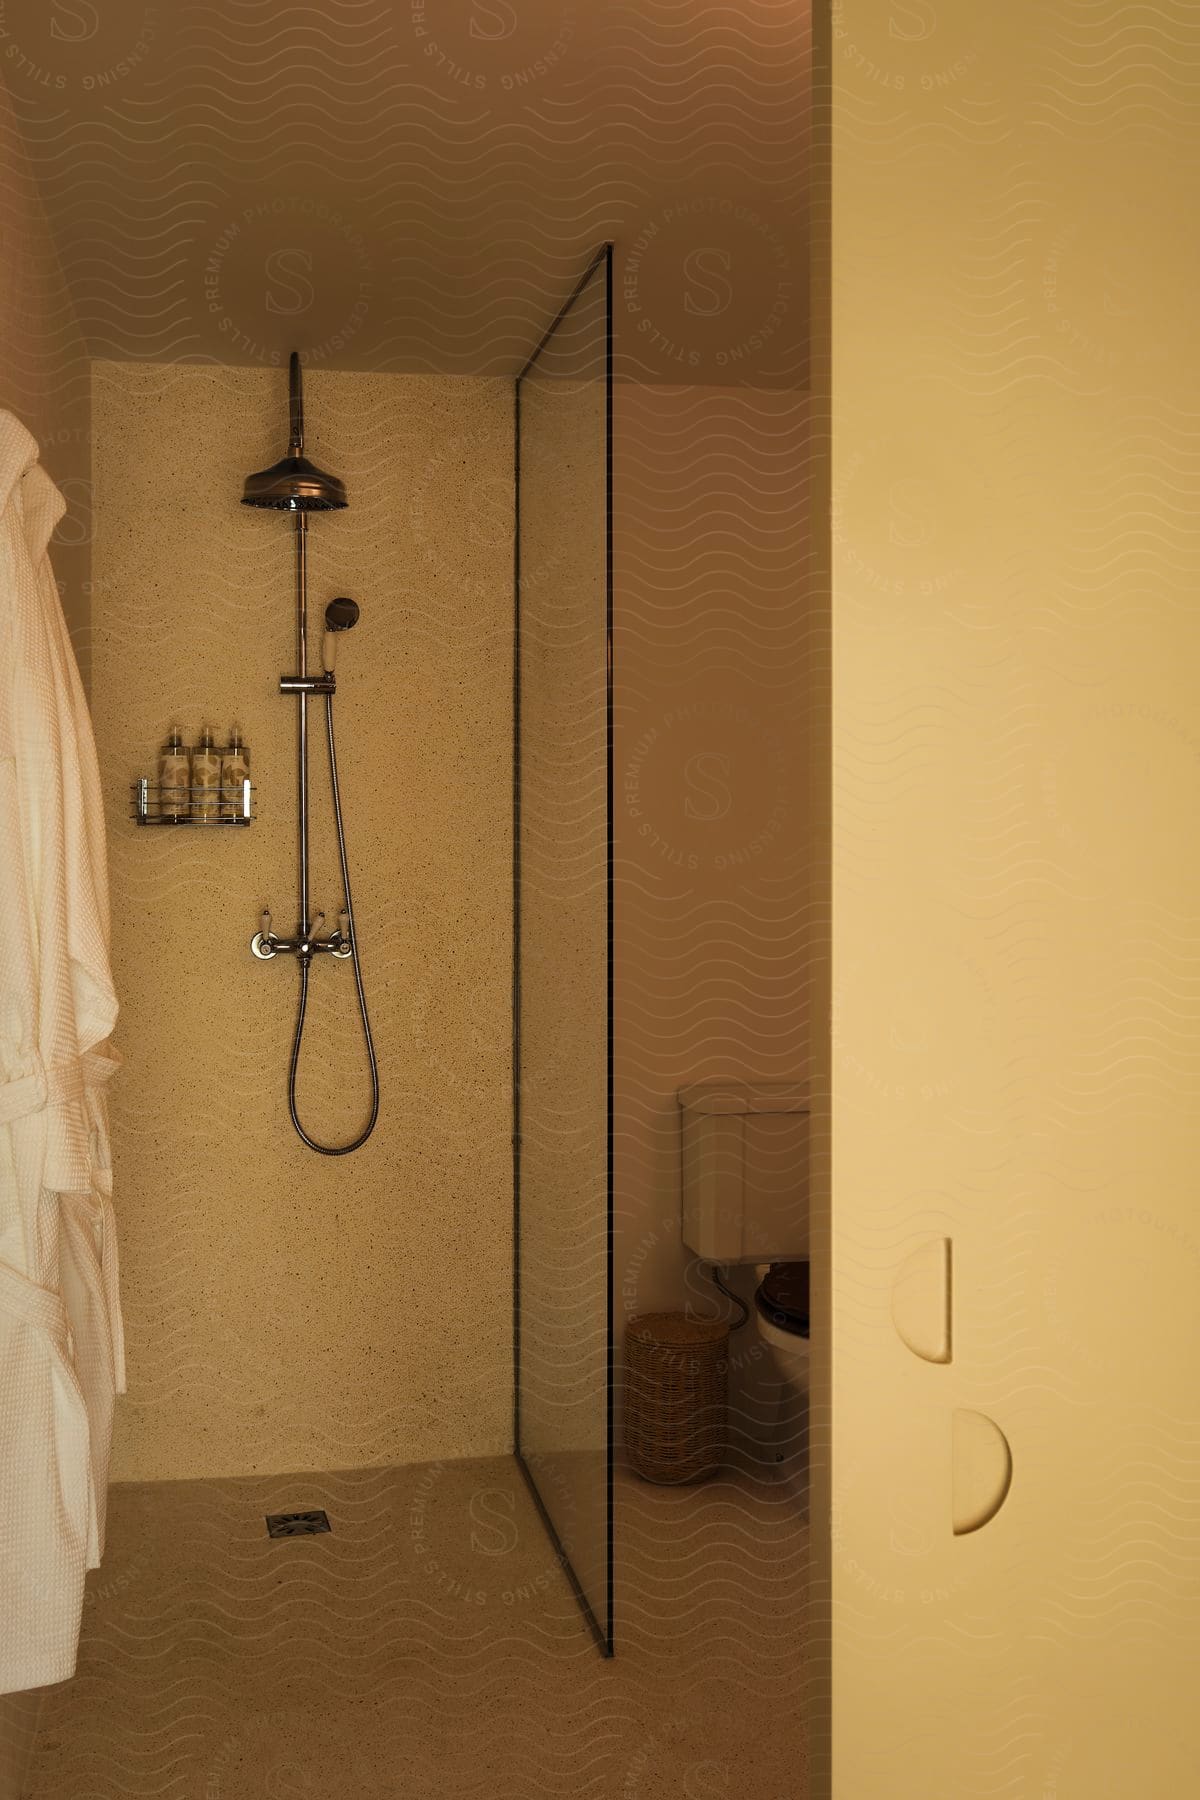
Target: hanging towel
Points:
(62, 1356)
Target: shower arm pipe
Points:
(304, 923)
(296, 422)
(295, 406)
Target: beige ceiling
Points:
(416, 185)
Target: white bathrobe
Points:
(61, 1344)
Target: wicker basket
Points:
(676, 1371)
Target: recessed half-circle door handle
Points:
(921, 1301)
(982, 1470)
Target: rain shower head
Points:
(294, 484)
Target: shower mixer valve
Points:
(265, 944)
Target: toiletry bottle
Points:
(206, 777)
(235, 769)
(174, 777)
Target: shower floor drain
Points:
(297, 1524)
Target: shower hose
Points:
(368, 1128)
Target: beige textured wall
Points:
(1016, 451)
(288, 1311)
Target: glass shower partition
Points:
(562, 801)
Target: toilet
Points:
(745, 1195)
(782, 1318)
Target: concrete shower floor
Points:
(429, 1647)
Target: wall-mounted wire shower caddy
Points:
(147, 806)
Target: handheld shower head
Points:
(294, 484)
(340, 615)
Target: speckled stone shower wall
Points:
(287, 1311)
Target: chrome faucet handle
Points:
(344, 923)
(265, 921)
(318, 920)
